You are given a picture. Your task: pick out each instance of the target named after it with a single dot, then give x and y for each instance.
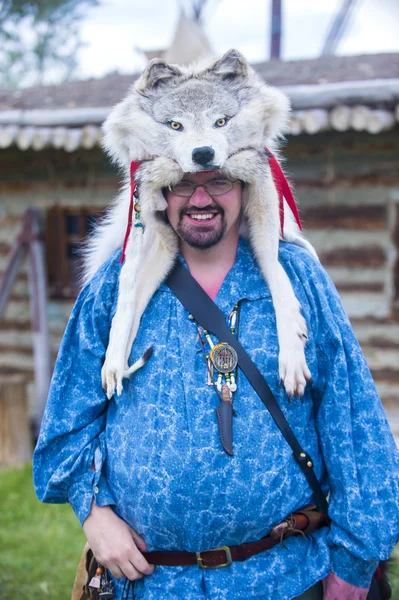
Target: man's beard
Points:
(202, 237)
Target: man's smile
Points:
(202, 217)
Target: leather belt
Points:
(301, 522)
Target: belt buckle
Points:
(226, 564)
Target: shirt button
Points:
(95, 489)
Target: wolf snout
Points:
(203, 155)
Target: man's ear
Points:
(231, 66)
(157, 72)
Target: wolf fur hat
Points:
(220, 115)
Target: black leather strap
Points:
(210, 317)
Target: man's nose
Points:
(200, 198)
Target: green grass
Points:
(394, 574)
(40, 544)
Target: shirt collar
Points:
(243, 281)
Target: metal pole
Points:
(276, 28)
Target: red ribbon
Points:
(133, 168)
(283, 191)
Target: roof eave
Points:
(327, 95)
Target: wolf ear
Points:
(231, 66)
(156, 72)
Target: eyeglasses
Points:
(215, 187)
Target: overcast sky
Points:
(115, 30)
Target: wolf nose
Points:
(203, 155)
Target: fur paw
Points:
(111, 377)
(246, 164)
(158, 173)
(293, 370)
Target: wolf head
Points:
(198, 115)
(214, 115)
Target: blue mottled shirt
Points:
(158, 457)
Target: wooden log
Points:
(377, 334)
(58, 137)
(16, 362)
(16, 350)
(359, 117)
(295, 126)
(73, 139)
(315, 120)
(340, 118)
(389, 394)
(361, 305)
(8, 135)
(365, 256)
(48, 117)
(90, 136)
(41, 138)
(328, 95)
(15, 434)
(366, 217)
(369, 286)
(380, 120)
(392, 412)
(360, 276)
(25, 137)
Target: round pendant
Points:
(224, 358)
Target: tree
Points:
(39, 40)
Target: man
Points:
(150, 460)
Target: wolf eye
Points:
(175, 125)
(221, 122)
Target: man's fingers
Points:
(140, 563)
(140, 543)
(115, 570)
(131, 572)
(126, 569)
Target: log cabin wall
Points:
(44, 179)
(347, 185)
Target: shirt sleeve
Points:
(360, 454)
(72, 436)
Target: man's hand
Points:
(336, 588)
(115, 545)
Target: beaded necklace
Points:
(221, 357)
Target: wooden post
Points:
(39, 320)
(15, 434)
(17, 254)
(29, 241)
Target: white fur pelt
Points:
(171, 111)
